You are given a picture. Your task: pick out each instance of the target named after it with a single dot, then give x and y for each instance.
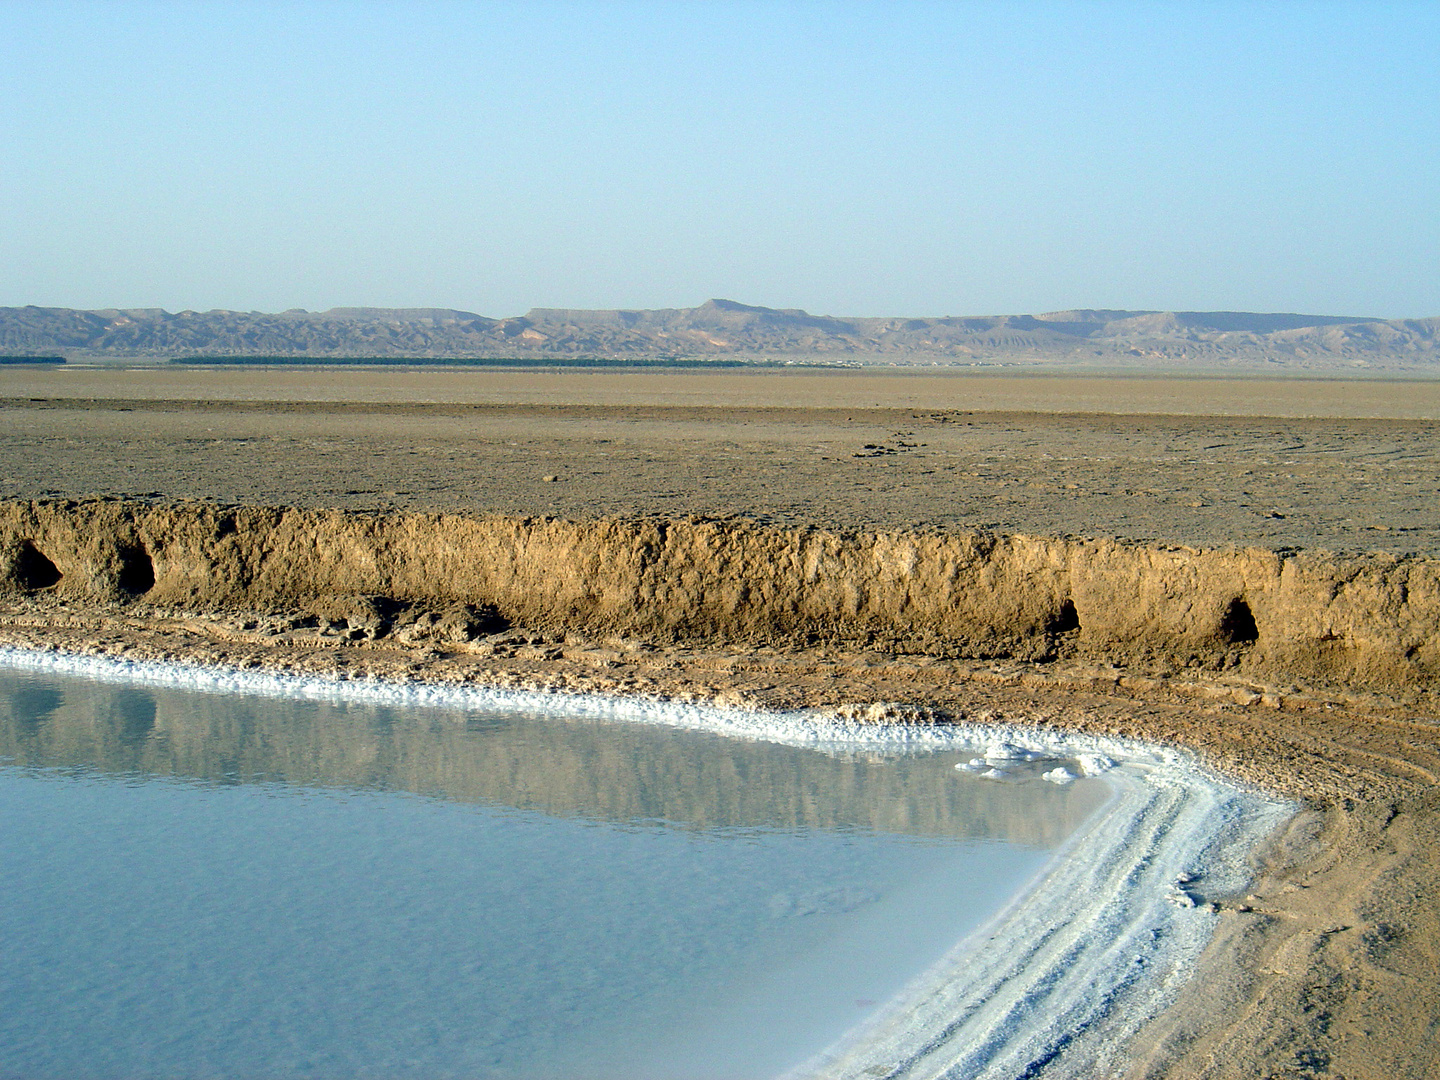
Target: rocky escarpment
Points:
(1363, 621)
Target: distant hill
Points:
(724, 329)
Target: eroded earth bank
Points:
(1311, 674)
(1134, 556)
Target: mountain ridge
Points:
(727, 329)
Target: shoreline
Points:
(1081, 959)
(1350, 870)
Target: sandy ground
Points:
(1329, 968)
(1044, 455)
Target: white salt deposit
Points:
(1001, 751)
(1055, 984)
(1095, 764)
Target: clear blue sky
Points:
(855, 159)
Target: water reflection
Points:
(30, 707)
(200, 884)
(560, 767)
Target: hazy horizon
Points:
(853, 159)
(502, 315)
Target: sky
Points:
(846, 158)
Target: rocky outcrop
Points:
(1370, 620)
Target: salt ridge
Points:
(1054, 985)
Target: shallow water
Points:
(197, 884)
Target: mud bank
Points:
(1369, 621)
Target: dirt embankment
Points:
(1311, 674)
(1367, 622)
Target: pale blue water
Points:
(200, 886)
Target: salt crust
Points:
(1054, 985)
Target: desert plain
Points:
(1328, 967)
